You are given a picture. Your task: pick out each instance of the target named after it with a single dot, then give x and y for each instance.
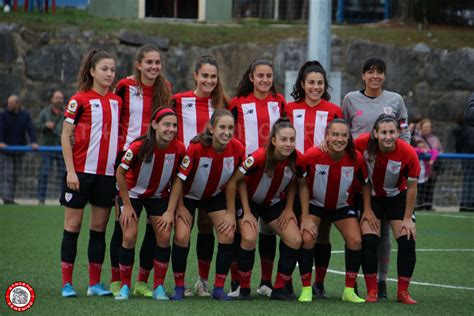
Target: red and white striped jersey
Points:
(255, 117)
(310, 122)
(152, 179)
(96, 133)
(136, 110)
(332, 183)
(193, 114)
(390, 171)
(206, 172)
(263, 189)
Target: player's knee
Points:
(181, 238)
(226, 238)
(294, 241)
(249, 241)
(307, 241)
(73, 227)
(354, 243)
(129, 239)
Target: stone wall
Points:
(434, 83)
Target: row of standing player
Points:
(148, 90)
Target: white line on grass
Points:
(444, 215)
(423, 250)
(415, 282)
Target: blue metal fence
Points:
(454, 185)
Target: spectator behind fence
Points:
(425, 169)
(425, 193)
(469, 111)
(15, 123)
(464, 142)
(50, 125)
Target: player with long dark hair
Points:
(394, 168)
(266, 185)
(210, 161)
(311, 112)
(89, 143)
(144, 178)
(332, 178)
(142, 94)
(256, 107)
(194, 109)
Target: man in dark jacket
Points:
(469, 111)
(15, 123)
(464, 135)
(50, 124)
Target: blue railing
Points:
(59, 3)
(15, 148)
(24, 149)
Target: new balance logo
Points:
(250, 111)
(188, 105)
(322, 173)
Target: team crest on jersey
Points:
(249, 162)
(387, 110)
(273, 106)
(72, 106)
(394, 166)
(185, 162)
(229, 164)
(169, 159)
(68, 196)
(348, 173)
(128, 156)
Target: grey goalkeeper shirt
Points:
(361, 111)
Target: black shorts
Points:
(390, 208)
(98, 190)
(267, 213)
(153, 207)
(334, 215)
(212, 204)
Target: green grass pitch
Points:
(30, 242)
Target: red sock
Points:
(234, 271)
(115, 274)
(281, 280)
(178, 278)
(351, 278)
(320, 274)
(143, 275)
(244, 278)
(267, 269)
(306, 279)
(66, 270)
(126, 275)
(371, 283)
(220, 280)
(403, 283)
(95, 269)
(160, 269)
(204, 266)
